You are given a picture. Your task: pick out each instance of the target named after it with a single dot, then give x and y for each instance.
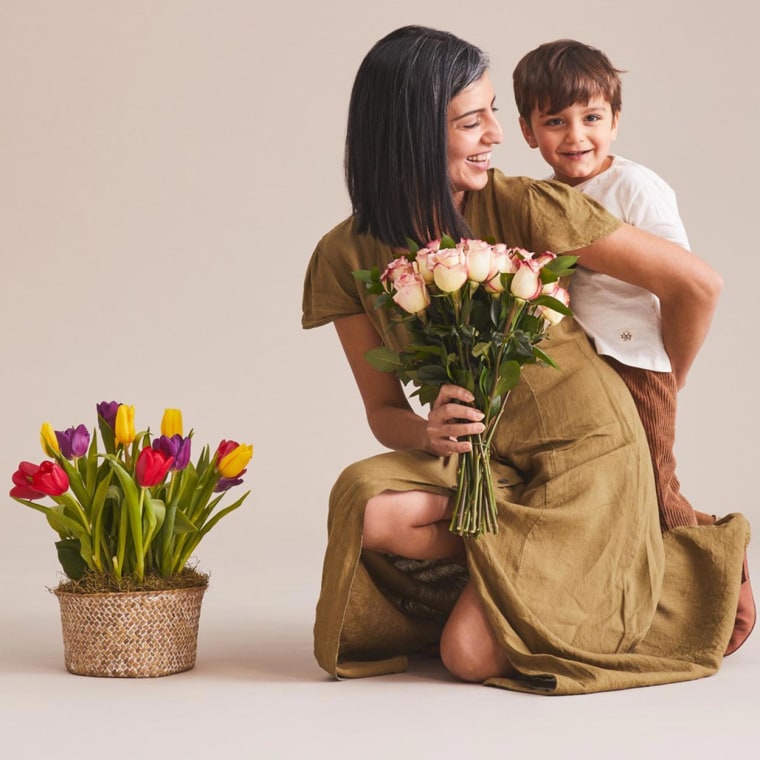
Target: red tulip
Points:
(33, 481)
(224, 448)
(151, 467)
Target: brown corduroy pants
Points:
(655, 396)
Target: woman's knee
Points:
(469, 648)
(462, 655)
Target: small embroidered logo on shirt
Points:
(626, 335)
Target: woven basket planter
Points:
(140, 634)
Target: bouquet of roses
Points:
(138, 508)
(475, 312)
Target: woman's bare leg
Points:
(413, 524)
(469, 648)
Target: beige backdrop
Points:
(166, 168)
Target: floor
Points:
(256, 692)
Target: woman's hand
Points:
(449, 420)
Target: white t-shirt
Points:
(624, 320)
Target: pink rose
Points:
(526, 283)
(449, 270)
(411, 293)
(397, 268)
(424, 262)
(502, 261)
(562, 295)
(544, 258)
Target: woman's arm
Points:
(688, 288)
(391, 419)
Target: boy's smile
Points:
(576, 141)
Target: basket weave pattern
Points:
(136, 634)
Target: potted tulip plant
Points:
(130, 508)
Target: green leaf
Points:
(96, 515)
(447, 242)
(562, 266)
(464, 378)
(76, 484)
(363, 275)
(509, 376)
(383, 359)
(553, 303)
(154, 513)
(411, 245)
(182, 523)
(189, 547)
(432, 374)
(134, 508)
(427, 394)
(481, 349)
(106, 433)
(544, 357)
(70, 557)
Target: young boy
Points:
(568, 96)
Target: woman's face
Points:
(473, 130)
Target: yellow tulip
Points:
(171, 423)
(234, 463)
(124, 427)
(48, 440)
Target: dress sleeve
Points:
(540, 215)
(560, 219)
(330, 289)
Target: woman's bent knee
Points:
(469, 648)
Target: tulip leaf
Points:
(182, 524)
(76, 483)
(96, 515)
(154, 513)
(70, 557)
(188, 549)
(133, 510)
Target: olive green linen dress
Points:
(580, 587)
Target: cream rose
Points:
(562, 295)
(526, 283)
(411, 293)
(501, 261)
(396, 269)
(449, 269)
(478, 256)
(424, 259)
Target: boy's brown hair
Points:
(558, 74)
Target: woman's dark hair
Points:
(396, 142)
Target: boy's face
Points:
(576, 141)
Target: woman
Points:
(577, 591)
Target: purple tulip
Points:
(107, 410)
(73, 442)
(224, 484)
(175, 446)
